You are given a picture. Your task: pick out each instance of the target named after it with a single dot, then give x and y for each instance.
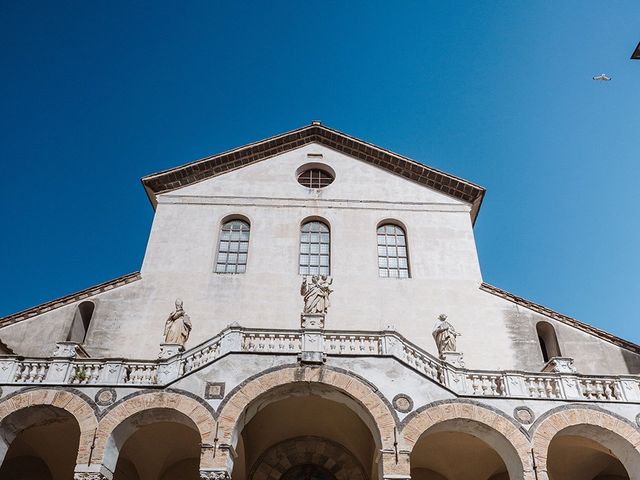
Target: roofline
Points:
(211, 166)
(69, 299)
(547, 312)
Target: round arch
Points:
(367, 403)
(147, 408)
(511, 444)
(605, 428)
(295, 452)
(74, 404)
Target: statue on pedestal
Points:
(178, 326)
(445, 335)
(316, 294)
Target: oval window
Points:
(315, 178)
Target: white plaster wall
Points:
(445, 274)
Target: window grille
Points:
(233, 248)
(314, 249)
(392, 252)
(315, 178)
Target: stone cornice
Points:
(214, 165)
(547, 312)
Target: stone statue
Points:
(316, 294)
(178, 326)
(445, 335)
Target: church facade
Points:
(311, 306)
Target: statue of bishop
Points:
(178, 326)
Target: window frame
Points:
(326, 224)
(399, 225)
(226, 221)
(327, 169)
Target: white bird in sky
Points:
(602, 78)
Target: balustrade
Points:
(555, 386)
(31, 372)
(543, 386)
(140, 374)
(600, 389)
(353, 344)
(85, 373)
(272, 342)
(423, 363)
(201, 357)
(487, 385)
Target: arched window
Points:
(392, 251)
(81, 322)
(233, 247)
(548, 341)
(314, 249)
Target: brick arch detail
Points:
(431, 415)
(307, 450)
(238, 400)
(77, 406)
(554, 421)
(128, 407)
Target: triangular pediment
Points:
(411, 170)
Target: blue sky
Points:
(97, 94)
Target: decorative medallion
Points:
(403, 403)
(214, 391)
(105, 397)
(524, 415)
(638, 419)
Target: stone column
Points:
(395, 465)
(216, 461)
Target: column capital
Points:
(89, 476)
(214, 475)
